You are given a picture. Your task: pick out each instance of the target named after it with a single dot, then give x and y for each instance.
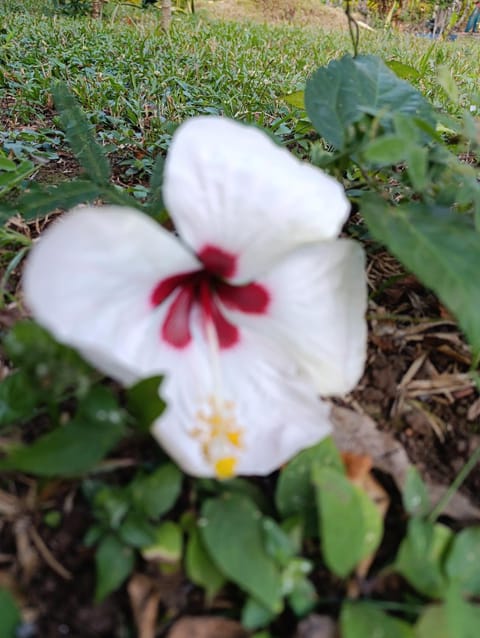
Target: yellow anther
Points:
(235, 438)
(225, 468)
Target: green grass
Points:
(135, 82)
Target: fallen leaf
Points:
(317, 626)
(144, 599)
(358, 433)
(206, 627)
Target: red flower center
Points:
(207, 289)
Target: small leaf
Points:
(39, 200)
(255, 615)
(363, 620)
(415, 495)
(404, 71)
(295, 493)
(9, 615)
(350, 524)
(462, 565)
(79, 135)
(155, 204)
(296, 99)
(463, 618)
(144, 401)
(387, 149)
(433, 623)
(114, 562)
(200, 567)
(156, 493)
(136, 531)
(232, 532)
(421, 556)
(417, 166)
(18, 398)
(167, 544)
(77, 447)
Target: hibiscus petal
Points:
(89, 280)
(317, 312)
(270, 412)
(229, 186)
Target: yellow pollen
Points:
(235, 437)
(225, 468)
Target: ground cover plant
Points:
(101, 534)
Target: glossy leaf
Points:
(231, 529)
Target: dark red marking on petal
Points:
(250, 298)
(217, 261)
(165, 287)
(228, 334)
(176, 326)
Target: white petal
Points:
(89, 279)
(277, 412)
(230, 186)
(317, 312)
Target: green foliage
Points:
(9, 615)
(363, 620)
(114, 562)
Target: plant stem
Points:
(459, 479)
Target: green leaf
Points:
(350, 524)
(421, 556)
(156, 493)
(39, 200)
(79, 135)
(433, 623)
(18, 398)
(9, 615)
(415, 495)
(155, 204)
(295, 493)
(114, 563)
(387, 149)
(77, 447)
(463, 618)
(233, 535)
(136, 531)
(200, 567)
(256, 615)
(167, 544)
(363, 620)
(440, 247)
(144, 401)
(358, 86)
(463, 560)
(277, 543)
(296, 99)
(53, 367)
(303, 597)
(417, 166)
(404, 71)
(6, 164)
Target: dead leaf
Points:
(358, 433)
(317, 626)
(206, 627)
(144, 599)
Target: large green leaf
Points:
(200, 567)
(232, 531)
(440, 247)
(76, 447)
(340, 94)
(79, 135)
(363, 620)
(350, 524)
